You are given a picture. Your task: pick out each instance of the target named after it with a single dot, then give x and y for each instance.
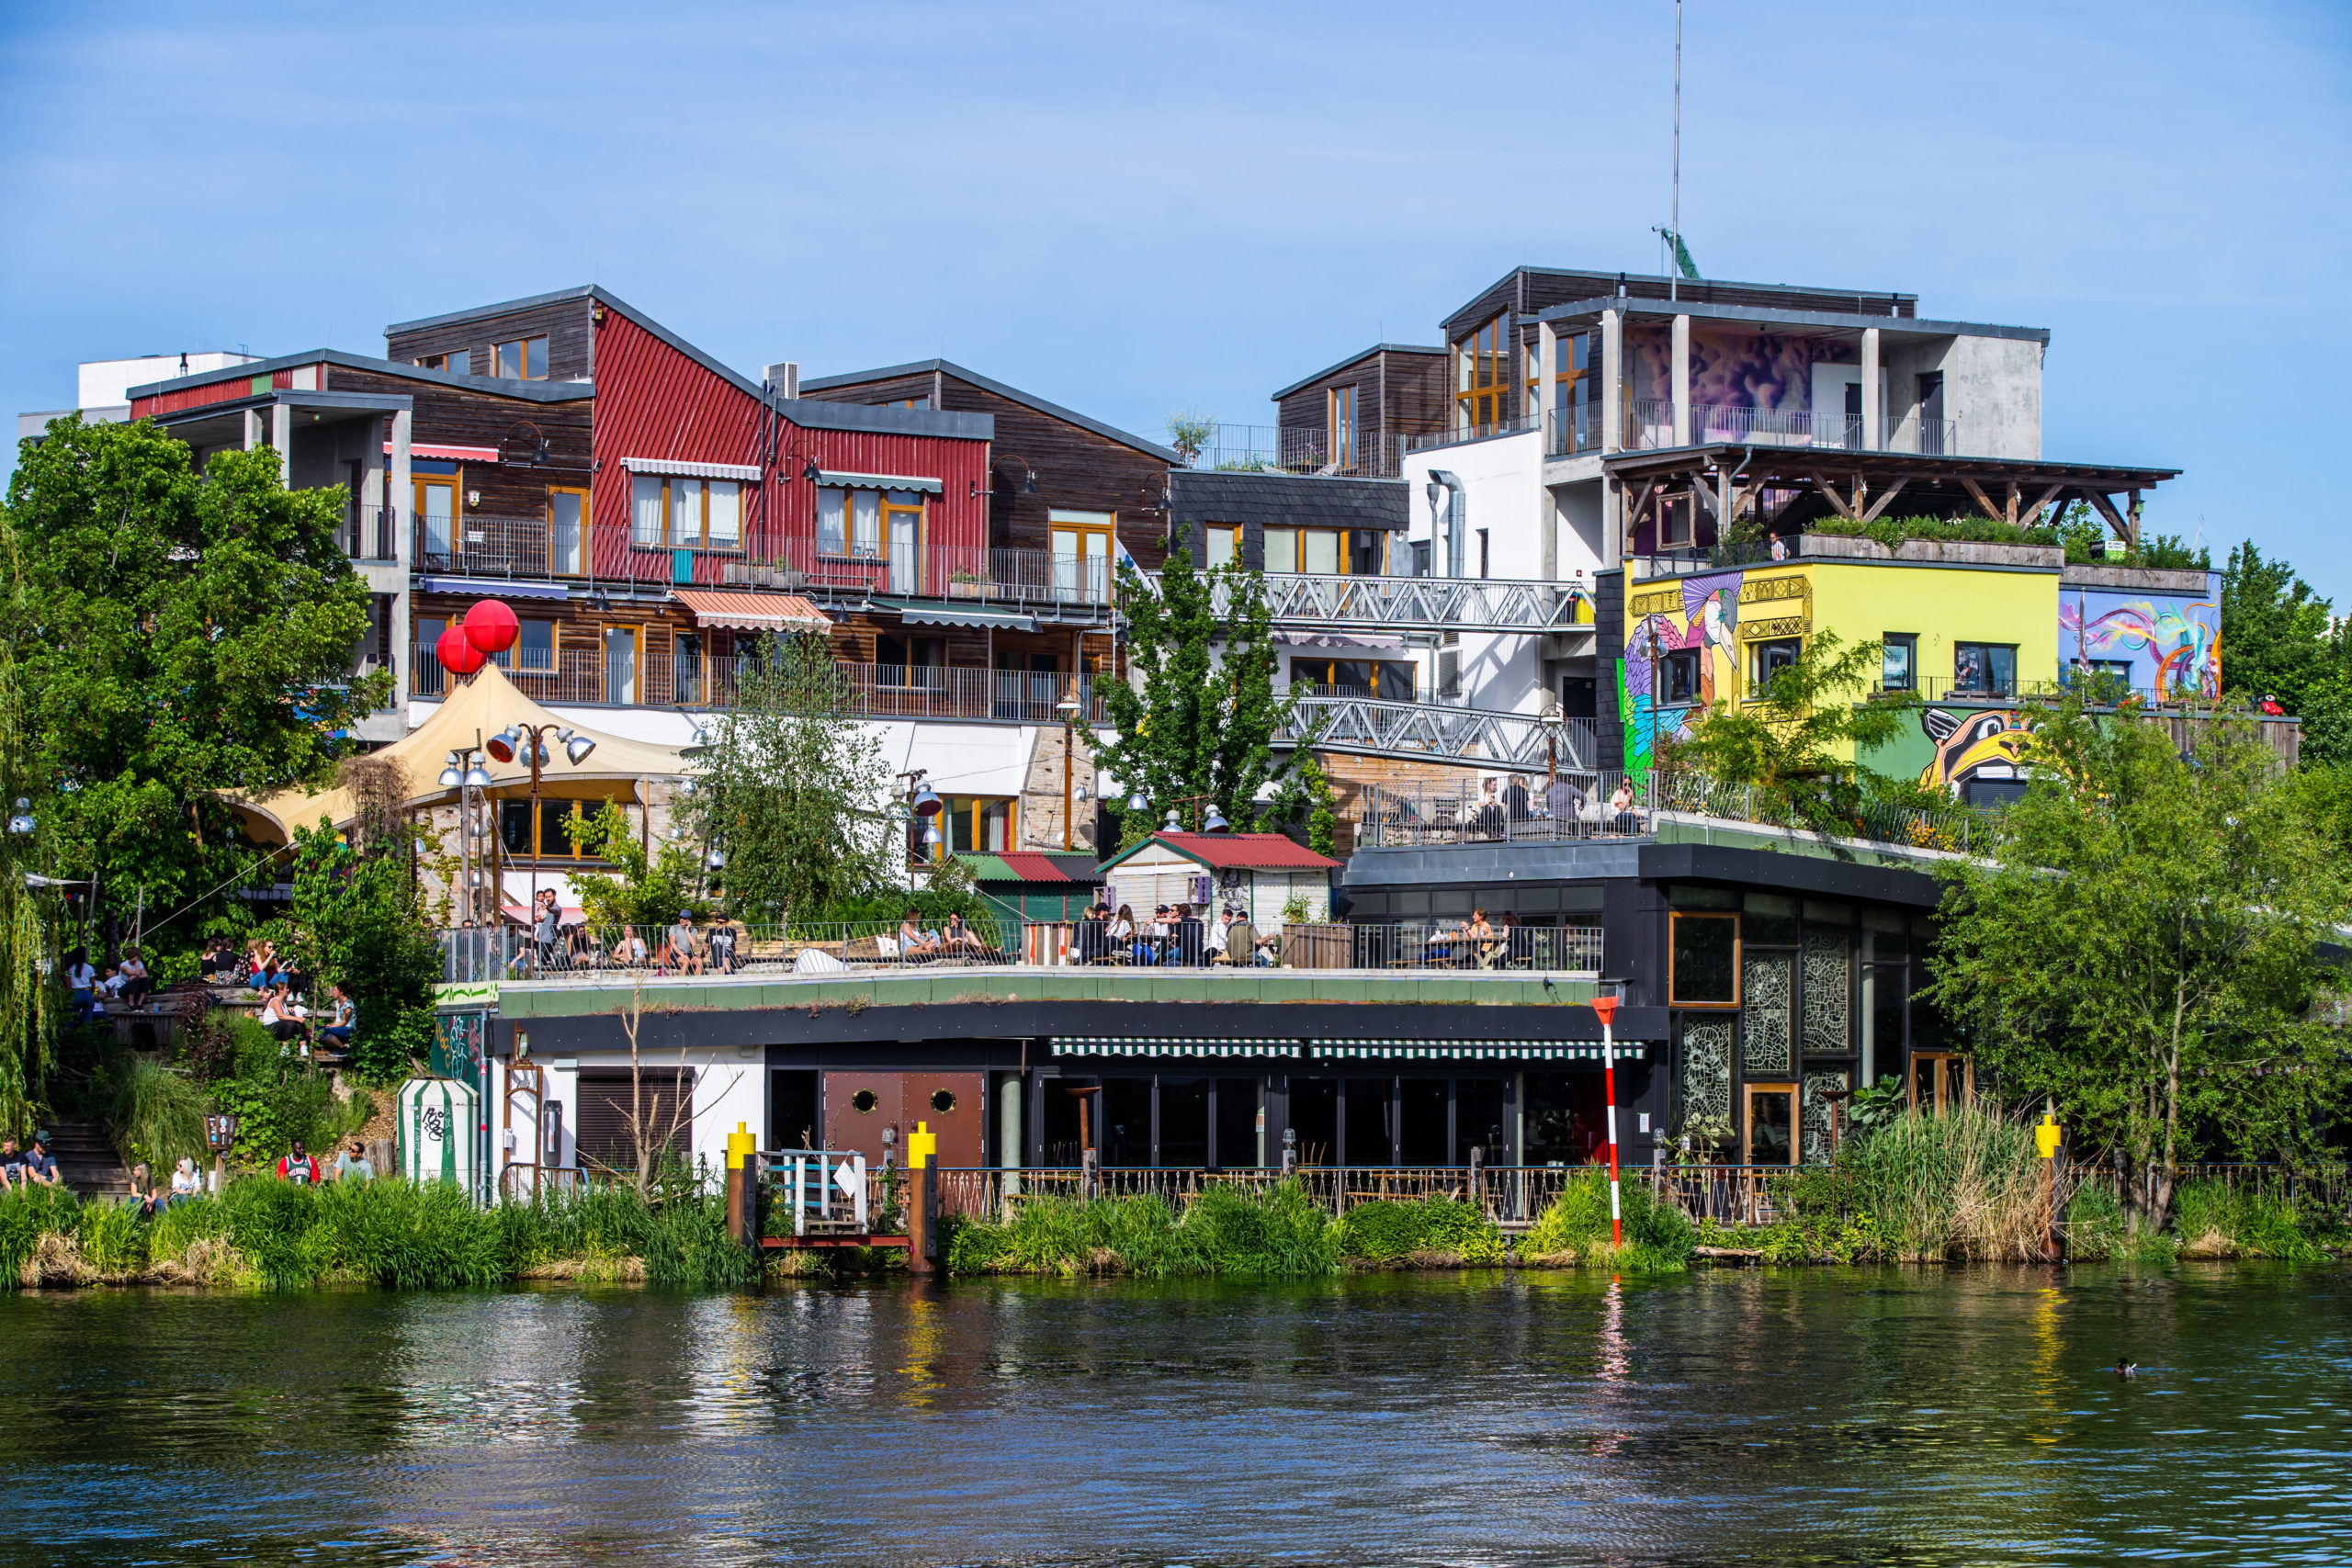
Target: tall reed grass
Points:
(1576, 1224)
(1219, 1232)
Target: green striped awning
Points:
(1174, 1046)
(1349, 1050)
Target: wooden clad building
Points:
(1354, 418)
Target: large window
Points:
(1576, 391)
(459, 363)
(1899, 661)
(1702, 969)
(1321, 552)
(688, 514)
(1984, 669)
(969, 824)
(1081, 553)
(849, 522)
(1678, 677)
(554, 833)
(1342, 425)
(1481, 380)
(919, 661)
(525, 359)
(1221, 545)
(1766, 660)
(1389, 680)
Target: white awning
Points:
(879, 481)
(685, 470)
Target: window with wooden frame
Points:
(1221, 545)
(1942, 1081)
(524, 359)
(458, 362)
(568, 517)
(1576, 390)
(849, 522)
(1481, 380)
(1341, 422)
(1702, 960)
(517, 829)
(910, 662)
(1768, 1132)
(969, 824)
(687, 669)
(1312, 552)
(685, 515)
(533, 651)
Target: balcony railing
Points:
(601, 954)
(1650, 425)
(371, 533)
(481, 545)
(1299, 449)
(1029, 578)
(679, 676)
(1462, 431)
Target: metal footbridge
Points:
(1438, 732)
(1418, 605)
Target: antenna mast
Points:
(1673, 269)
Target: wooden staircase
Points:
(87, 1161)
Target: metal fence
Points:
(602, 955)
(1299, 449)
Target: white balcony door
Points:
(905, 531)
(620, 664)
(567, 540)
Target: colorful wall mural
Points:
(1707, 618)
(1743, 370)
(2165, 644)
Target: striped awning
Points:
(678, 468)
(448, 454)
(879, 481)
(1349, 1050)
(747, 612)
(1174, 1046)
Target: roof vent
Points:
(784, 376)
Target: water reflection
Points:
(1850, 1416)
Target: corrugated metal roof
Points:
(1235, 852)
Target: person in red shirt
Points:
(298, 1167)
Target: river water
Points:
(1800, 1416)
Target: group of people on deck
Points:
(1174, 935)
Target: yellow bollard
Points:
(741, 1147)
(921, 1145)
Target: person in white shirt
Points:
(185, 1183)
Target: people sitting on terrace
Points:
(1472, 940)
(1564, 800)
(631, 951)
(913, 943)
(341, 1019)
(1504, 949)
(1515, 800)
(278, 1015)
(722, 948)
(959, 941)
(1624, 816)
(135, 981)
(81, 979)
(219, 961)
(680, 952)
(1119, 937)
(1189, 936)
(262, 968)
(1489, 818)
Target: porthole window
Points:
(863, 1102)
(943, 1100)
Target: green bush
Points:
(26, 1215)
(1222, 1230)
(1384, 1230)
(1657, 1235)
(2247, 1221)
(156, 1112)
(112, 1238)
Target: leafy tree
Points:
(30, 1001)
(646, 889)
(2275, 636)
(2143, 949)
(1190, 432)
(179, 638)
(358, 921)
(793, 791)
(1201, 718)
(1797, 745)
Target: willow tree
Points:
(28, 956)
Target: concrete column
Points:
(253, 437)
(1612, 380)
(1010, 1147)
(1547, 365)
(399, 502)
(1612, 523)
(1872, 414)
(1682, 380)
(281, 436)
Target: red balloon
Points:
(490, 626)
(458, 656)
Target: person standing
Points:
(546, 927)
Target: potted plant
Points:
(964, 583)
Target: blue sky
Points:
(1134, 209)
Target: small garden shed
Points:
(1030, 886)
(1259, 874)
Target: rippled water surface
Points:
(1827, 1416)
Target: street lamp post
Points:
(531, 739)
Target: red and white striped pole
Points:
(1605, 1008)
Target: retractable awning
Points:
(448, 453)
(1478, 1051)
(725, 610)
(879, 481)
(494, 587)
(679, 468)
(1174, 1046)
(948, 614)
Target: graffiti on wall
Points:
(2164, 645)
(1698, 626)
(1973, 745)
(1740, 370)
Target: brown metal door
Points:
(955, 1106)
(858, 1106)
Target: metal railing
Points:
(680, 676)
(605, 954)
(371, 533)
(1575, 431)
(1377, 726)
(1589, 803)
(476, 544)
(1650, 423)
(1026, 577)
(1299, 449)
(1462, 431)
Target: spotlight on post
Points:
(1215, 821)
(578, 748)
(502, 745)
